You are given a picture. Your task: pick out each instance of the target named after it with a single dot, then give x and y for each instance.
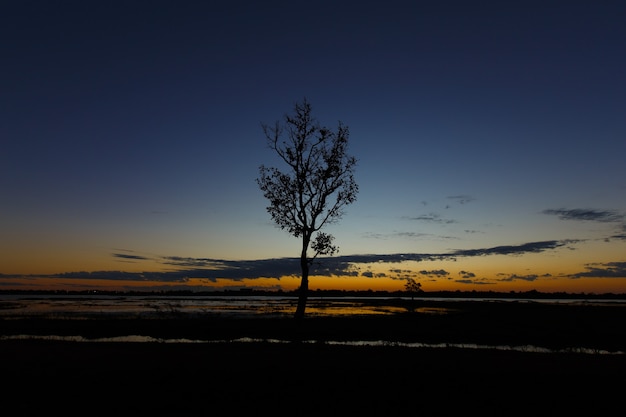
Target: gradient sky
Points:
(491, 139)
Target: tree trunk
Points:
(303, 292)
(302, 297)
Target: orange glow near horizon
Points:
(43, 265)
(548, 271)
(341, 283)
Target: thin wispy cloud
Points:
(186, 262)
(461, 199)
(621, 233)
(531, 247)
(481, 281)
(604, 216)
(433, 218)
(412, 235)
(175, 276)
(129, 257)
(407, 235)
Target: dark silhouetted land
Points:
(308, 375)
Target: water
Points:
(72, 306)
(263, 306)
(14, 306)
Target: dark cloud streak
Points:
(532, 247)
(607, 270)
(124, 256)
(213, 269)
(603, 216)
(186, 268)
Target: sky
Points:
(490, 138)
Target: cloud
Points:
(531, 247)
(407, 235)
(433, 218)
(132, 257)
(462, 199)
(515, 277)
(412, 235)
(176, 276)
(436, 272)
(182, 269)
(474, 281)
(193, 262)
(606, 270)
(342, 265)
(346, 265)
(604, 216)
(370, 235)
(400, 271)
(621, 233)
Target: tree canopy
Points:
(313, 188)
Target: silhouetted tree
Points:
(313, 189)
(412, 287)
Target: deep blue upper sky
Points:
(134, 126)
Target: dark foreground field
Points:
(309, 376)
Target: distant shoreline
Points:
(533, 294)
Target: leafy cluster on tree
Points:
(313, 188)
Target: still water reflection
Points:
(149, 339)
(85, 307)
(73, 306)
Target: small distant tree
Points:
(412, 287)
(317, 183)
